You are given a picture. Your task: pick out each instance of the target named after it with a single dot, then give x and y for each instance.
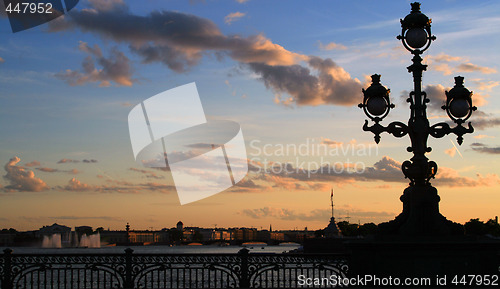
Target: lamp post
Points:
(420, 215)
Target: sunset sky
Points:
(289, 72)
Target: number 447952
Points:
(32, 8)
(478, 280)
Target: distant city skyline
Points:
(290, 74)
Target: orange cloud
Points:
(384, 186)
(64, 161)
(330, 142)
(117, 186)
(308, 80)
(481, 136)
(331, 46)
(442, 57)
(469, 67)
(259, 49)
(47, 170)
(247, 185)
(451, 178)
(231, 17)
(445, 68)
(148, 174)
(324, 83)
(51, 170)
(482, 120)
(444, 60)
(32, 164)
(76, 185)
(22, 180)
(115, 69)
(106, 5)
(314, 215)
(284, 175)
(451, 152)
(482, 148)
(485, 85)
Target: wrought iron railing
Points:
(130, 270)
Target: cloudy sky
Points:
(290, 73)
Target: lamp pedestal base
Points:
(434, 258)
(420, 216)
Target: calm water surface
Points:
(157, 249)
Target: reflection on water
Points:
(157, 249)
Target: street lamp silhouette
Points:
(420, 214)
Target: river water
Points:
(189, 249)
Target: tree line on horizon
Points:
(474, 227)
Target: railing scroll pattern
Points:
(129, 270)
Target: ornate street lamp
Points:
(420, 214)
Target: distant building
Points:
(87, 230)
(266, 236)
(245, 234)
(63, 231)
(6, 238)
(180, 226)
(297, 235)
(162, 236)
(208, 234)
(223, 235)
(54, 229)
(188, 235)
(113, 237)
(332, 230)
(277, 236)
(144, 237)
